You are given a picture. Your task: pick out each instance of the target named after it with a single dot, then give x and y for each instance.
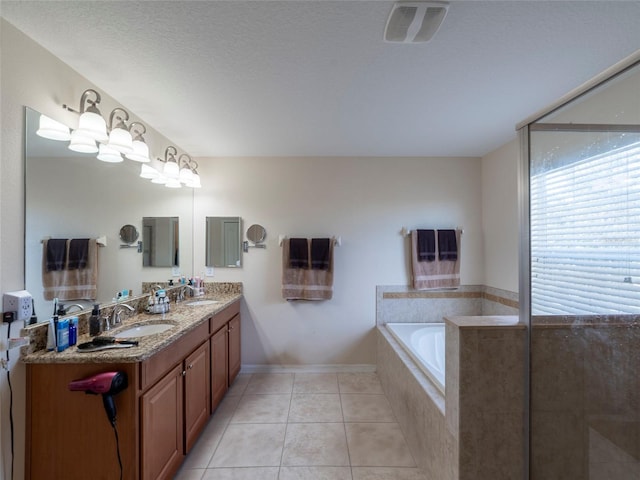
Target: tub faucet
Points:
(115, 315)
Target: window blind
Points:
(585, 236)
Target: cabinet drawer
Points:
(223, 316)
(155, 367)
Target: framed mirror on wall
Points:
(223, 242)
(160, 242)
(74, 195)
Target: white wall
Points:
(366, 201)
(500, 217)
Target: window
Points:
(585, 243)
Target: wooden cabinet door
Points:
(219, 365)
(234, 348)
(197, 394)
(162, 427)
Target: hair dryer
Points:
(106, 383)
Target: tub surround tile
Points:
(250, 445)
(378, 444)
(315, 444)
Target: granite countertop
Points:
(185, 317)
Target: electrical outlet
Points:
(19, 302)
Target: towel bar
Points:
(101, 241)
(405, 233)
(337, 241)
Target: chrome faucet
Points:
(76, 305)
(115, 315)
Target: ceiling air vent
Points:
(414, 22)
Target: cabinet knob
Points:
(184, 372)
(190, 366)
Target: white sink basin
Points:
(195, 303)
(144, 330)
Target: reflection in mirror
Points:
(223, 242)
(129, 234)
(74, 195)
(160, 241)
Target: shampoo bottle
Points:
(63, 334)
(73, 331)
(94, 321)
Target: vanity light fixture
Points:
(119, 137)
(52, 129)
(158, 167)
(186, 174)
(188, 171)
(173, 183)
(91, 124)
(108, 154)
(82, 143)
(171, 168)
(140, 152)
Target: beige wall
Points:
(364, 200)
(500, 217)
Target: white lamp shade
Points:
(173, 183)
(148, 172)
(186, 175)
(171, 170)
(195, 181)
(140, 152)
(160, 179)
(93, 125)
(120, 139)
(82, 143)
(109, 155)
(52, 129)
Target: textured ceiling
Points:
(290, 78)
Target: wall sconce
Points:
(140, 152)
(188, 171)
(171, 168)
(119, 137)
(52, 129)
(91, 125)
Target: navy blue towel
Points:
(447, 245)
(78, 253)
(56, 254)
(320, 253)
(298, 253)
(426, 245)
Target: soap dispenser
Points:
(94, 321)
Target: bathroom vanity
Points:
(176, 379)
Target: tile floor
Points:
(312, 426)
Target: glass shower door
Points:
(583, 299)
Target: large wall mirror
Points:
(73, 195)
(223, 245)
